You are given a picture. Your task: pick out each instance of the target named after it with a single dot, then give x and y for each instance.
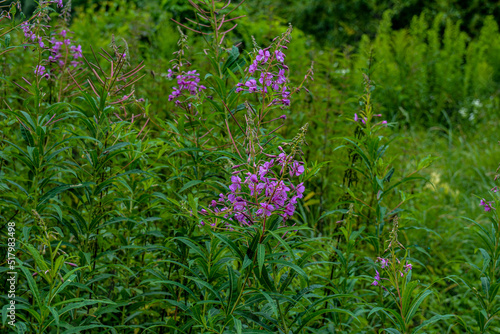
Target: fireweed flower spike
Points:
(262, 194)
(376, 279)
(40, 71)
(188, 83)
(383, 262)
(487, 205)
(268, 75)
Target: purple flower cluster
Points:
(188, 82)
(258, 194)
(384, 263)
(487, 205)
(268, 74)
(40, 71)
(376, 278)
(57, 52)
(363, 120)
(30, 34)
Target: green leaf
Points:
(415, 304)
(79, 329)
(237, 325)
(27, 136)
(293, 266)
(31, 283)
(59, 189)
(432, 320)
(426, 162)
(261, 255)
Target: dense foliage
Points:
(205, 167)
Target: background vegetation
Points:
(108, 191)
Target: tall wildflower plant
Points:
(68, 150)
(400, 296)
(483, 317)
(369, 205)
(194, 213)
(250, 260)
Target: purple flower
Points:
(383, 262)
(40, 70)
(290, 209)
(239, 204)
(265, 168)
(239, 89)
(356, 117)
(300, 190)
(296, 169)
(251, 178)
(76, 51)
(263, 56)
(266, 78)
(253, 67)
(408, 267)
(281, 77)
(266, 209)
(280, 56)
(376, 278)
(252, 85)
(188, 82)
(282, 159)
(284, 93)
(236, 184)
(222, 198)
(170, 74)
(241, 218)
(487, 205)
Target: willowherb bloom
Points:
(399, 270)
(40, 71)
(265, 191)
(376, 279)
(383, 262)
(268, 76)
(188, 83)
(263, 56)
(363, 120)
(487, 205)
(62, 50)
(30, 35)
(266, 209)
